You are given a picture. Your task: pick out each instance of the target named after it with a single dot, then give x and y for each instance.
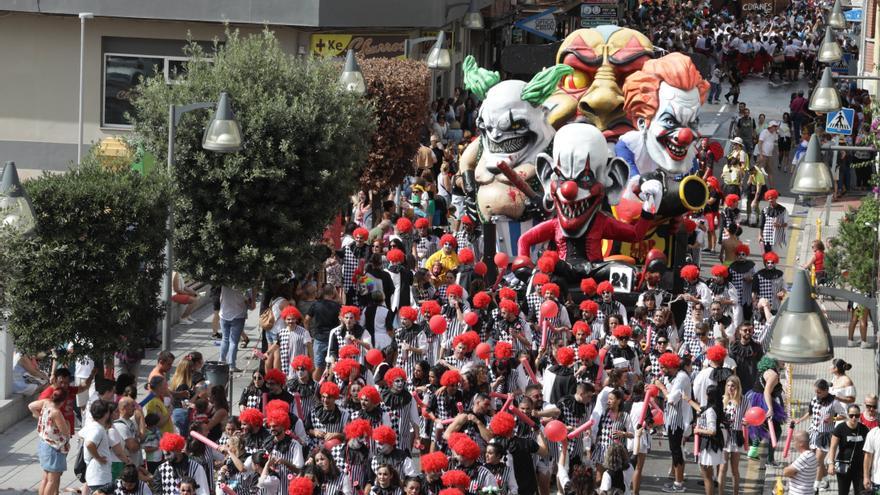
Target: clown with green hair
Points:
(767, 395)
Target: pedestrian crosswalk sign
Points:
(840, 122)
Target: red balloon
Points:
(658, 418)
(437, 324)
(549, 309)
(483, 350)
(501, 260)
(471, 318)
(555, 431)
(755, 416)
(374, 357)
(652, 390)
(480, 269)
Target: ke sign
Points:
(366, 45)
(598, 14)
(840, 122)
(543, 24)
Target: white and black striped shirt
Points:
(802, 482)
(677, 408)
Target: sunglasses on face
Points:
(258, 378)
(853, 415)
(871, 406)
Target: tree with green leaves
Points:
(852, 254)
(244, 216)
(90, 272)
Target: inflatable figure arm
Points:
(614, 229)
(542, 232)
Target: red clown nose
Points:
(685, 136)
(569, 190)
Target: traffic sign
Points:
(542, 24)
(854, 15)
(840, 122)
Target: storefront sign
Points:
(543, 24)
(598, 14)
(765, 7)
(366, 45)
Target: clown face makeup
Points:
(669, 136)
(398, 385)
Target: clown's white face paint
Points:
(669, 137)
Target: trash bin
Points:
(216, 372)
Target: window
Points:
(123, 72)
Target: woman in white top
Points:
(711, 452)
(734, 409)
(783, 134)
(184, 295)
(842, 386)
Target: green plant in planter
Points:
(852, 255)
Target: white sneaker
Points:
(867, 345)
(824, 484)
(187, 321)
(852, 343)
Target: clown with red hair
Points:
(426, 243)
(326, 420)
(411, 339)
(400, 406)
(607, 304)
(675, 387)
(742, 273)
(388, 453)
(177, 463)
(283, 446)
(401, 279)
(773, 223)
(349, 332)
(446, 256)
(293, 339)
(302, 386)
(725, 293)
(442, 404)
(769, 283)
(465, 454)
(354, 258)
(453, 311)
(695, 290)
(511, 327)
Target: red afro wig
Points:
(251, 417)
(716, 353)
(404, 225)
(371, 394)
(771, 257)
(277, 404)
(302, 361)
(690, 272)
(670, 360)
(507, 293)
(277, 417)
(450, 377)
(358, 428)
(456, 478)
(361, 232)
(344, 368)
(587, 352)
(553, 255)
(466, 256)
(540, 279)
(480, 269)
(510, 306)
(565, 356)
(605, 287)
(482, 300)
(301, 485)
(771, 194)
(622, 331)
(552, 288)
(434, 462)
(503, 350)
(354, 310)
(172, 442)
(713, 183)
(385, 435)
(276, 375)
(581, 326)
(742, 249)
(393, 374)
(450, 491)
(589, 286)
(589, 306)
(546, 264)
(466, 448)
(395, 256)
(467, 220)
(291, 311)
(470, 339)
(409, 312)
(348, 351)
(502, 424)
(731, 200)
(330, 389)
(455, 290)
(448, 239)
(720, 271)
(423, 223)
(430, 308)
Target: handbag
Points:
(842, 467)
(79, 466)
(267, 317)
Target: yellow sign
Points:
(365, 45)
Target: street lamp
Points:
(800, 332)
(352, 79)
(222, 135)
(16, 210)
(82, 39)
(473, 19)
(836, 19)
(825, 98)
(439, 58)
(812, 177)
(830, 51)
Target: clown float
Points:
(598, 146)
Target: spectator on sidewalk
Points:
(846, 452)
(323, 317)
(54, 439)
(234, 306)
(803, 470)
(97, 446)
(869, 416)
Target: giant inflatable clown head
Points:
(602, 58)
(664, 99)
(513, 130)
(579, 177)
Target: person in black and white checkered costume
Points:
(425, 244)
(177, 465)
(774, 222)
(742, 273)
(354, 257)
(326, 417)
(512, 328)
(611, 426)
(824, 409)
(769, 282)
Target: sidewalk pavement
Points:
(20, 471)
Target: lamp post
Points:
(473, 19)
(352, 79)
(82, 39)
(16, 212)
(439, 58)
(222, 135)
(800, 331)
